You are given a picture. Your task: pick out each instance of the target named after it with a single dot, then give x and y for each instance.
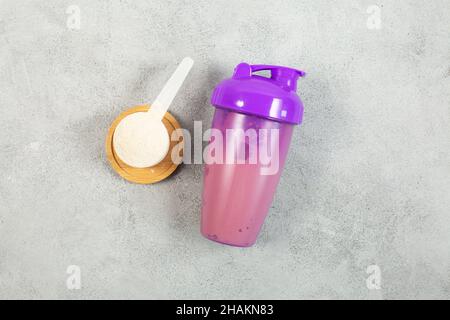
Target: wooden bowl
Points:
(153, 174)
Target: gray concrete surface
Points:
(366, 183)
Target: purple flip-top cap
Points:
(272, 98)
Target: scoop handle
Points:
(161, 104)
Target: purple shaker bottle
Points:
(254, 115)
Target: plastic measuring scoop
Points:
(141, 139)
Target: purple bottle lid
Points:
(272, 98)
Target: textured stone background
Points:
(366, 183)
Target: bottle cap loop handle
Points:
(283, 76)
